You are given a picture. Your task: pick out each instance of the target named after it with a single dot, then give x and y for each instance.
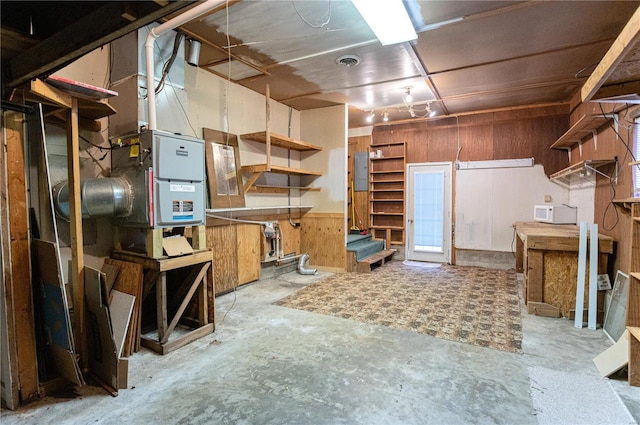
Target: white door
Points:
(429, 212)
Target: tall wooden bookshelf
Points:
(387, 191)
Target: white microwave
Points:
(555, 214)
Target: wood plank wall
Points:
(611, 221)
(358, 144)
(19, 287)
(522, 133)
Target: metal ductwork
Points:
(302, 269)
(104, 197)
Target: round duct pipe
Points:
(106, 197)
(302, 269)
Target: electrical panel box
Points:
(167, 175)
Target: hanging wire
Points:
(322, 25)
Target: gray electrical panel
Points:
(361, 172)
(167, 175)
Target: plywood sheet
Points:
(130, 281)
(56, 311)
(103, 354)
(322, 237)
(248, 236)
(560, 276)
(223, 241)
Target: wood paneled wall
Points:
(358, 144)
(322, 237)
(611, 221)
(522, 133)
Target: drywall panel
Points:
(326, 127)
(219, 104)
(489, 201)
(584, 198)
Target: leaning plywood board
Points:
(56, 311)
(103, 356)
(129, 281)
(615, 357)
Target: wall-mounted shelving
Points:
(582, 172)
(386, 190)
(584, 127)
(270, 139)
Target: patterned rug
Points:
(467, 304)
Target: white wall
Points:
(326, 127)
(489, 201)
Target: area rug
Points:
(472, 305)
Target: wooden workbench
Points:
(547, 256)
(193, 268)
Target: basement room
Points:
(320, 212)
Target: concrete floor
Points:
(273, 365)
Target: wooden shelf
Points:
(281, 141)
(271, 139)
(624, 205)
(262, 188)
(386, 157)
(264, 168)
(582, 128)
(387, 175)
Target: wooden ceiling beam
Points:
(622, 45)
(94, 30)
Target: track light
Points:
(385, 116)
(407, 95)
(370, 116)
(194, 52)
(430, 112)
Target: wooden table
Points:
(547, 256)
(195, 267)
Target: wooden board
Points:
(634, 355)
(322, 237)
(19, 291)
(248, 251)
(130, 281)
(103, 354)
(223, 241)
(613, 358)
(56, 311)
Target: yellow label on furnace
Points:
(134, 151)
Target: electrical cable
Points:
(325, 23)
(169, 63)
(227, 129)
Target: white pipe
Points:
(156, 32)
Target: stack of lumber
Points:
(129, 280)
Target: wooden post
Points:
(75, 217)
(268, 127)
(17, 270)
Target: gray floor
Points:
(273, 365)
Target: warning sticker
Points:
(182, 210)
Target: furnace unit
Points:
(166, 175)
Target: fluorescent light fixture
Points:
(388, 19)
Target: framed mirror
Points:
(224, 176)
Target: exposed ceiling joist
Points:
(621, 46)
(96, 29)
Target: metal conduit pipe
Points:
(301, 269)
(104, 197)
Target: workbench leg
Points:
(161, 304)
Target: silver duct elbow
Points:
(302, 269)
(104, 197)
